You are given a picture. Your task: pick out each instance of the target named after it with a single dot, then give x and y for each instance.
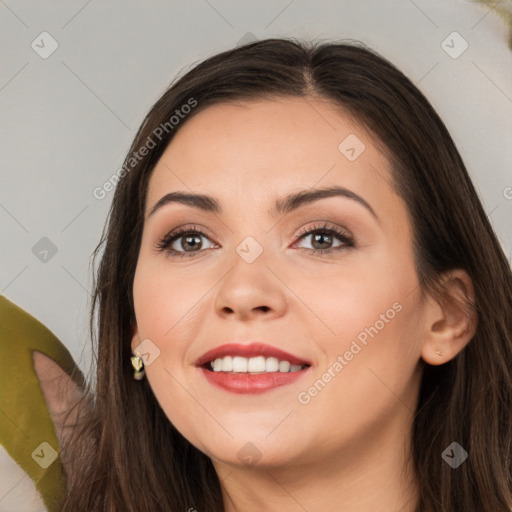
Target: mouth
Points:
(251, 368)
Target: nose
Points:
(251, 291)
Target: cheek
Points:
(346, 298)
(373, 315)
(164, 299)
(163, 306)
(369, 376)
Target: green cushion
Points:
(26, 428)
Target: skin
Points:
(345, 449)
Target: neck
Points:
(365, 476)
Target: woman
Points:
(316, 310)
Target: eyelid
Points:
(180, 231)
(342, 233)
(325, 226)
(339, 232)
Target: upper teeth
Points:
(253, 365)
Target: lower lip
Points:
(246, 383)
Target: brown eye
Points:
(323, 237)
(183, 242)
(191, 242)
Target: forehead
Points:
(248, 150)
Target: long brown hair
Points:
(128, 456)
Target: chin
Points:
(254, 452)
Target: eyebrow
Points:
(282, 206)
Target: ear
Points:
(451, 320)
(135, 336)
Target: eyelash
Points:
(343, 235)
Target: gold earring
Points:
(138, 366)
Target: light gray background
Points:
(68, 120)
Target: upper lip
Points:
(248, 350)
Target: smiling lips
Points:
(251, 368)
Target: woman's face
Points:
(257, 273)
